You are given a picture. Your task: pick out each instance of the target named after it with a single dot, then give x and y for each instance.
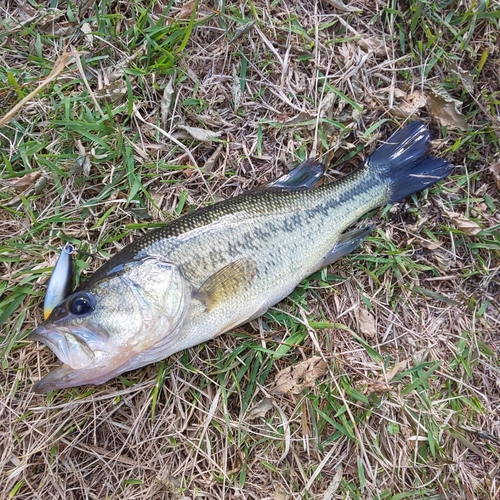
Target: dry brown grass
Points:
(183, 428)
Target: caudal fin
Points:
(405, 160)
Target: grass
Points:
(409, 405)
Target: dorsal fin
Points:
(305, 176)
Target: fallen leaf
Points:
(114, 91)
(411, 104)
(243, 30)
(338, 4)
(446, 109)
(430, 245)
(463, 223)
(390, 374)
(302, 117)
(375, 386)
(294, 379)
(260, 409)
(373, 44)
(327, 105)
(367, 324)
(200, 134)
(23, 182)
(465, 76)
(210, 163)
(334, 485)
(495, 171)
(166, 100)
(236, 88)
(280, 493)
(187, 9)
(40, 184)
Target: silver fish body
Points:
(220, 266)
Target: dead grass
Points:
(409, 325)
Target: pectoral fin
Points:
(305, 176)
(227, 282)
(346, 244)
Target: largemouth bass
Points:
(225, 264)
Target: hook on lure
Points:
(60, 282)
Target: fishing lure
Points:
(60, 282)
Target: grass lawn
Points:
(116, 117)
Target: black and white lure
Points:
(61, 281)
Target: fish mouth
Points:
(80, 364)
(68, 347)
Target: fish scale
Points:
(222, 265)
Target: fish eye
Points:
(81, 304)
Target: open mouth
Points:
(68, 347)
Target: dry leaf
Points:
(243, 30)
(327, 105)
(200, 134)
(280, 493)
(294, 379)
(373, 44)
(465, 76)
(334, 485)
(463, 223)
(390, 374)
(302, 117)
(236, 88)
(260, 409)
(375, 386)
(446, 109)
(187, 9)
(495, 171)
(367, 324)
(430, 245)
(338, 4)
(411, 104)
(166, 100)
(24, 182)
(210, 163)
(114, 90)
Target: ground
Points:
(118, 116)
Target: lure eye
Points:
(81, 304)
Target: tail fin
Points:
(405, 160)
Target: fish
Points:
(224, 264)
(60, 281)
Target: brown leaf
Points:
(463, 223)
(24, 182)
(294, 379)
(411, 104)
(375, 386)
(187, 9)
(367, 323)
(260, 409)
(446, 109)
(338, 4)
(495, 171)
(390, 374)
(200, 134)
(280, 493)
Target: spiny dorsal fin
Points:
(227, 282)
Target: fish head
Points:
(100, 332)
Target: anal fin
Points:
(346, 244)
